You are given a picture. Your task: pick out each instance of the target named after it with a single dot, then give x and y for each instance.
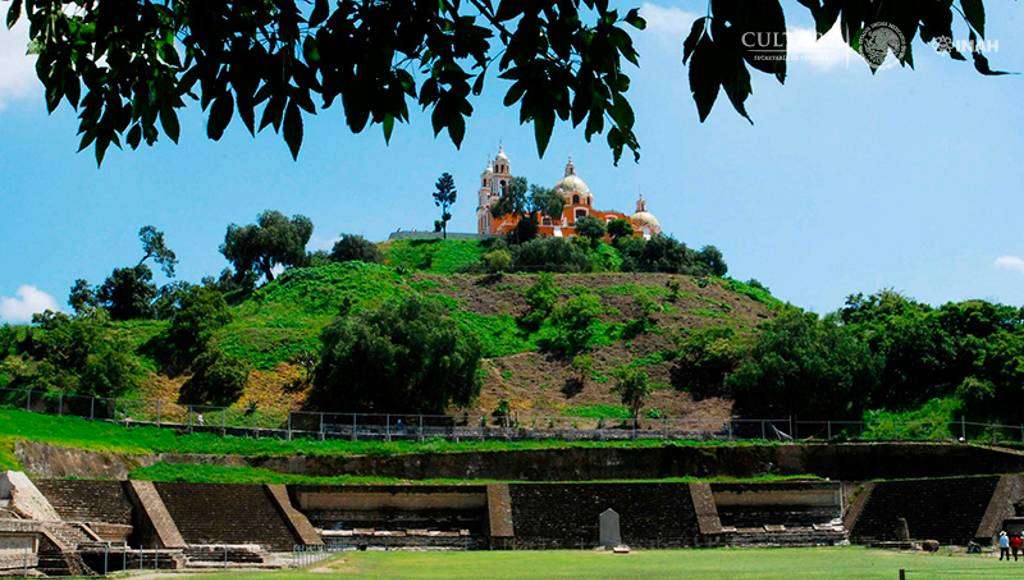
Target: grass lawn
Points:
(729, 564)
(104, 436)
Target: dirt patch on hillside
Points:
(537, 384)
(698, 301)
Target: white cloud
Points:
(1015, 263)
(671, 25)
(17, 70)
(668, 23)
(28, 300)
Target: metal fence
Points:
(251, 422)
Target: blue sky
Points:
(846, 183)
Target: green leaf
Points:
(974, 12)
(981, 61)
(319, 14)
(621, 112)
(13, 13)
(542, 127)
(696, 33)
(388, 125)
(634, 19)
(765, 17)
(169, 121)
(134, 136)
(293, 128)
(705, 81)
(220, 115)
(509, 9)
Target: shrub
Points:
(706, 357)
(550, 255)
(574, 324)
(407, 355)
(633, 387)
(77, 354)
(498, 261)
(217, 379)
(541, 299)
(351, 247)
(644, 321)
(590, 228)
(620, 228)
(713, 261)
(199, 313)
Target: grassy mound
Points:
(285, 317)
(437, 256)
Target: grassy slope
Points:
(846, 563)
(104, 436)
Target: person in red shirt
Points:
(1016, 542)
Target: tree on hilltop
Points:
(352, 247)
(274, 240)
(154, 246)
(444, 198)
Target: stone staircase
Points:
(57, 559)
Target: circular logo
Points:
(944, 44)
(878, 40)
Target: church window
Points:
(575, 200)
(581, 213)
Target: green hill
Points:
(285, 317)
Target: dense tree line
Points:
(883, 351)
(585, 253)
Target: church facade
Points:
(576, 195)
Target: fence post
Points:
(387, 426)
(764, 434)
(730, 429)
(92, 408)
(28, 401)
(963, 428)
(158, 413)
(189, 418)
(421, 427)
(60, 403)
(289, 432)
(829, 430)
(223, 421)
(321, 425)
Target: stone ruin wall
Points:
(550, 516)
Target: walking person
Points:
(1016, 543)
(1004, 546)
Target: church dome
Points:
(572, 184)
(644, 219)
